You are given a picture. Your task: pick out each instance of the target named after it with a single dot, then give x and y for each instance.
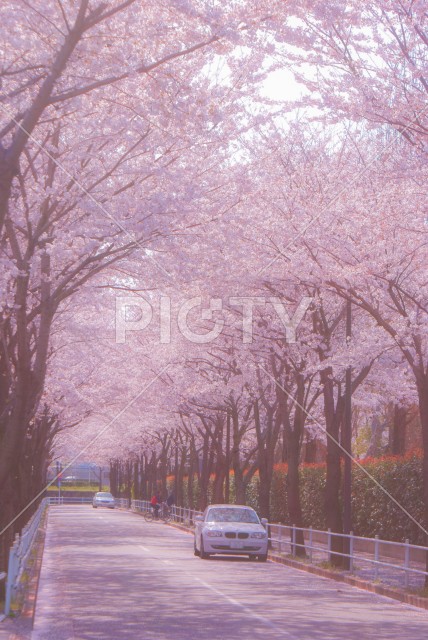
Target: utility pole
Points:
(347, 444)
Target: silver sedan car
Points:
(103, 499)
(230, 529)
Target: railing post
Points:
(293, 537)
(310, 545)
(406, 562)
(351, 551)
(329, 544)
(376, 556)
(279, 538)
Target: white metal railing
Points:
(56, 500)
(3, 576)
(284, 537)
(20, 552)
(181, 515)
(122, 503)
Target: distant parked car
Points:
(69, 480)
(103, 499)
(230, 529)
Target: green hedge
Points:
(374, 513)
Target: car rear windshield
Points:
(104, 495)
(232, 515)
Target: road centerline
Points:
(248, 611)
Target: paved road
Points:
(108, 575)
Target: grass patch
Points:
(92, 488)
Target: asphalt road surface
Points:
(109, 575)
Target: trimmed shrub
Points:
(373, 510)
(374, 513)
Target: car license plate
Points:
(236, 544)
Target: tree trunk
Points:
(310, 449)
(333, 508)
(267, 440)
(293, 488)
(190, 492)
(398, 431)
(422, 387)
(264, 498)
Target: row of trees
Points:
(100, 140)
(243, 405)
(194, 456)
(140, 153)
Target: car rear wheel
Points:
(262, 558)
(202, 553)
(94, 506)
(196, 552)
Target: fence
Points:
(20, 552)
(3, 576)
(55, 500)
(182, 515)
(123, 503)
(374, 557)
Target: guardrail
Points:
(182, 515)
(20, 552)
(122, 503)
(55, 500)
(372, 551)
(3, 576)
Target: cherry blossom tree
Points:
(359, 61)
(91, 113)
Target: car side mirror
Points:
(198, 518)
(264, 522)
